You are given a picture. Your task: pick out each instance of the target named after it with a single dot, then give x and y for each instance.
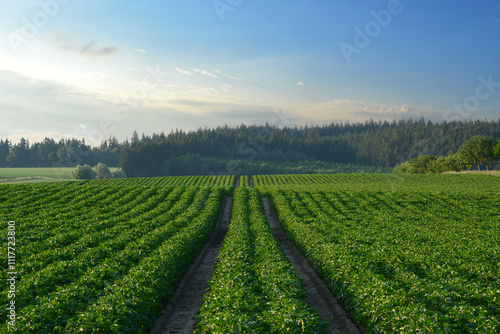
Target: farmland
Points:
(254, 286)
(403, 254)
(406, 255)
(103, 256)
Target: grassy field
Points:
(29, 175)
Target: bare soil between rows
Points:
(320, 297)
(180, 315)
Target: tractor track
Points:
(320, 298)
(180, 315)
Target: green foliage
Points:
(257, 149)
(408, 254)
(496, 150)
(479, 150)
(244, 181)
(429, 164)
(424, 164)
(118, 174)
(255, 288)
(195, 164)
(454, 162)
(105, 256)
(84, 172)
(403, 253)
(102, 171)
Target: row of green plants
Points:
(381, 182)
(315, 179)
(403, 261)
(255, 288)
(189, 181)
(102, 257)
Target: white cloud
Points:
(205, 73)
(231, 77)
(141, 50)
(300, 83)
(182, 71)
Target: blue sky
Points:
(92, 69)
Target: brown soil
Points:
(320, 297)
(180, 315)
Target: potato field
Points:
(401, 254)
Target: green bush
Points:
(84, 172)
(102, 171)
(423, 164)
(118, 174)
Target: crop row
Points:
(312, 179)
(52, 226)
(254, 288)
(404, 261)
(382, 182)
(193, 181)
(46, 263)
(244, 181)
(84, 266)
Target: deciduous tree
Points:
(478, 151)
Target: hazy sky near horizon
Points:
(92, 69)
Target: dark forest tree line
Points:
(383, 144)
(64, 153)
(370, 143)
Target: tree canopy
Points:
(479, 150)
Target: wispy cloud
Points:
(90, 50)
(225, 87)
(231, 77)
(141, 50)
(224, 74)
(205, 73)
(182, 71)
(300, 83)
